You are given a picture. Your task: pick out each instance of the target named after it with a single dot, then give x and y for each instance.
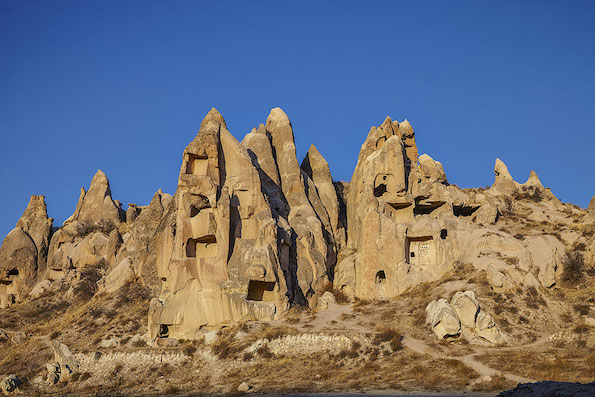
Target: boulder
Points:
(466, 306)
(244, 387)
(10, 384)
(325, 300)
(462, 313)
(443, 319)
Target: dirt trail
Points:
(421, 347)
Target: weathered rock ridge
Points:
(250, 232)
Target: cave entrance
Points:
(380, 277)
(261, 291)
(464, 210)
(163, 331)
(203, 247)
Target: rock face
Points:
(219, 259)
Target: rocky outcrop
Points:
(36, 223)
(23, 254)
(401, 211)
(251, 231)
(317, 169)
(97, 204)
(219, 258)
(503, 182)
(18, 266)
(463, 313)
(64, 364)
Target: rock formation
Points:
(504, 182)
(463, 313)
(250, 232)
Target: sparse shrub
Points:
(581, 329)
(581, 309)
(139, 343)
(574, 268)
(189, 350)
(171, 389)
(117, 369)
(523, 319)
(392, 336)
(87, 285)
(264, 352)
(580, 247)
(54, 335)
(508, 206)
(84, 228)
(519, 236)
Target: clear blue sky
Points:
(123, 86)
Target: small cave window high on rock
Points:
(163, 331)
(203, 247)
(261, 291)
(384, 183)
(197, 165)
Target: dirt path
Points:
(469, 360)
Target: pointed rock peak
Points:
(278, 116)
(99, 178)
(213, 117)
(314, 159)
(314, 165)
(425, 158)
(405, 124)
(591, 207)
(388, 127)
(312, 151)
(387, 121)
(261, 129)
(533, 180)
(500, 169)
(99, 184)
(37, 204)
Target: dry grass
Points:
(567, 365)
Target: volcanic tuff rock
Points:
(250, 232)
